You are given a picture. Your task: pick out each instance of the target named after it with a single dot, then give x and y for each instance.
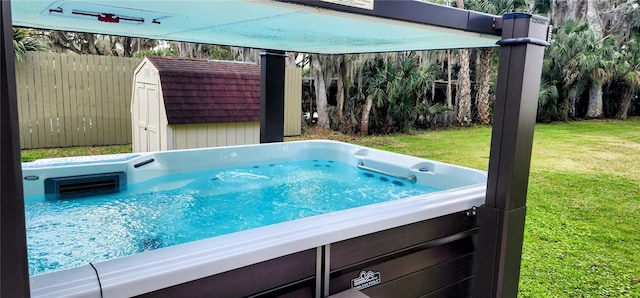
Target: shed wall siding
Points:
(293, 101)
(188, 136)
(164, 123)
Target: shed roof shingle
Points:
(205, 91)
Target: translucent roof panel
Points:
(319, 26)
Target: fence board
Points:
(132, 64)
(74, 100)
(106, 125)
(33, 113)
(45, 107)
(23, 105)
(91, 97)
(80, 97)
(84, 101)
(67, 102)
(293, 101)
(60, 102)
(117, 67)
(36, 108)
(51, 117)
(111, 85)
(124, 108)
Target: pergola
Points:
(311, 26)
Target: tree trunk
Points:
(595, 101)
(187, 49)
(342, 73)
(127, 46)
(89, 47)
(464, 83)
(484, 81)
(290, 60)
(366, 110)
(625, 104)
(595, 92)
(573, 98)
(246, 54)
(563, 11)
(321, 92)
(449, 93)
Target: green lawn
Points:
(582, 237)
(33, 154)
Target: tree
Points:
(97, 44)
(321, 90)
(125, 46)
(394, 88)
(568, 65)
(602, 53)
(599, 73)
(345, 81)
(604, 18)
(375, 75)
(628, 70)
(547, 101)
(23, 42)
(485, 55)
(484, 85)
(464, 83)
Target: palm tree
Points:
(600, 72)
(394, 88)
(23, 42)
(375, 75)
(628, 69)
(464, 87)
(484, 85)
(346, 71)
(602, 53)
(547, 101)
(410, 84)
(569, 64)
(464, 83)
(485, 55)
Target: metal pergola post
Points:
(501, 219)
(14, 272)
(272, 96)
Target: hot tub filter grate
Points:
(84, 185)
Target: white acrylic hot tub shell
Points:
(152, 270)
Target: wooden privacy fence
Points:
(74, 100)
(292, 101)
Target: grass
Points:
(33, 154)
(582, 234)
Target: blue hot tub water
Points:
(156, 213)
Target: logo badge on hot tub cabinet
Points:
(366, 279)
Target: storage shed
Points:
(181, 103)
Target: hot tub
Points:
(413, 246)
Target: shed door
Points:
(149, 121)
